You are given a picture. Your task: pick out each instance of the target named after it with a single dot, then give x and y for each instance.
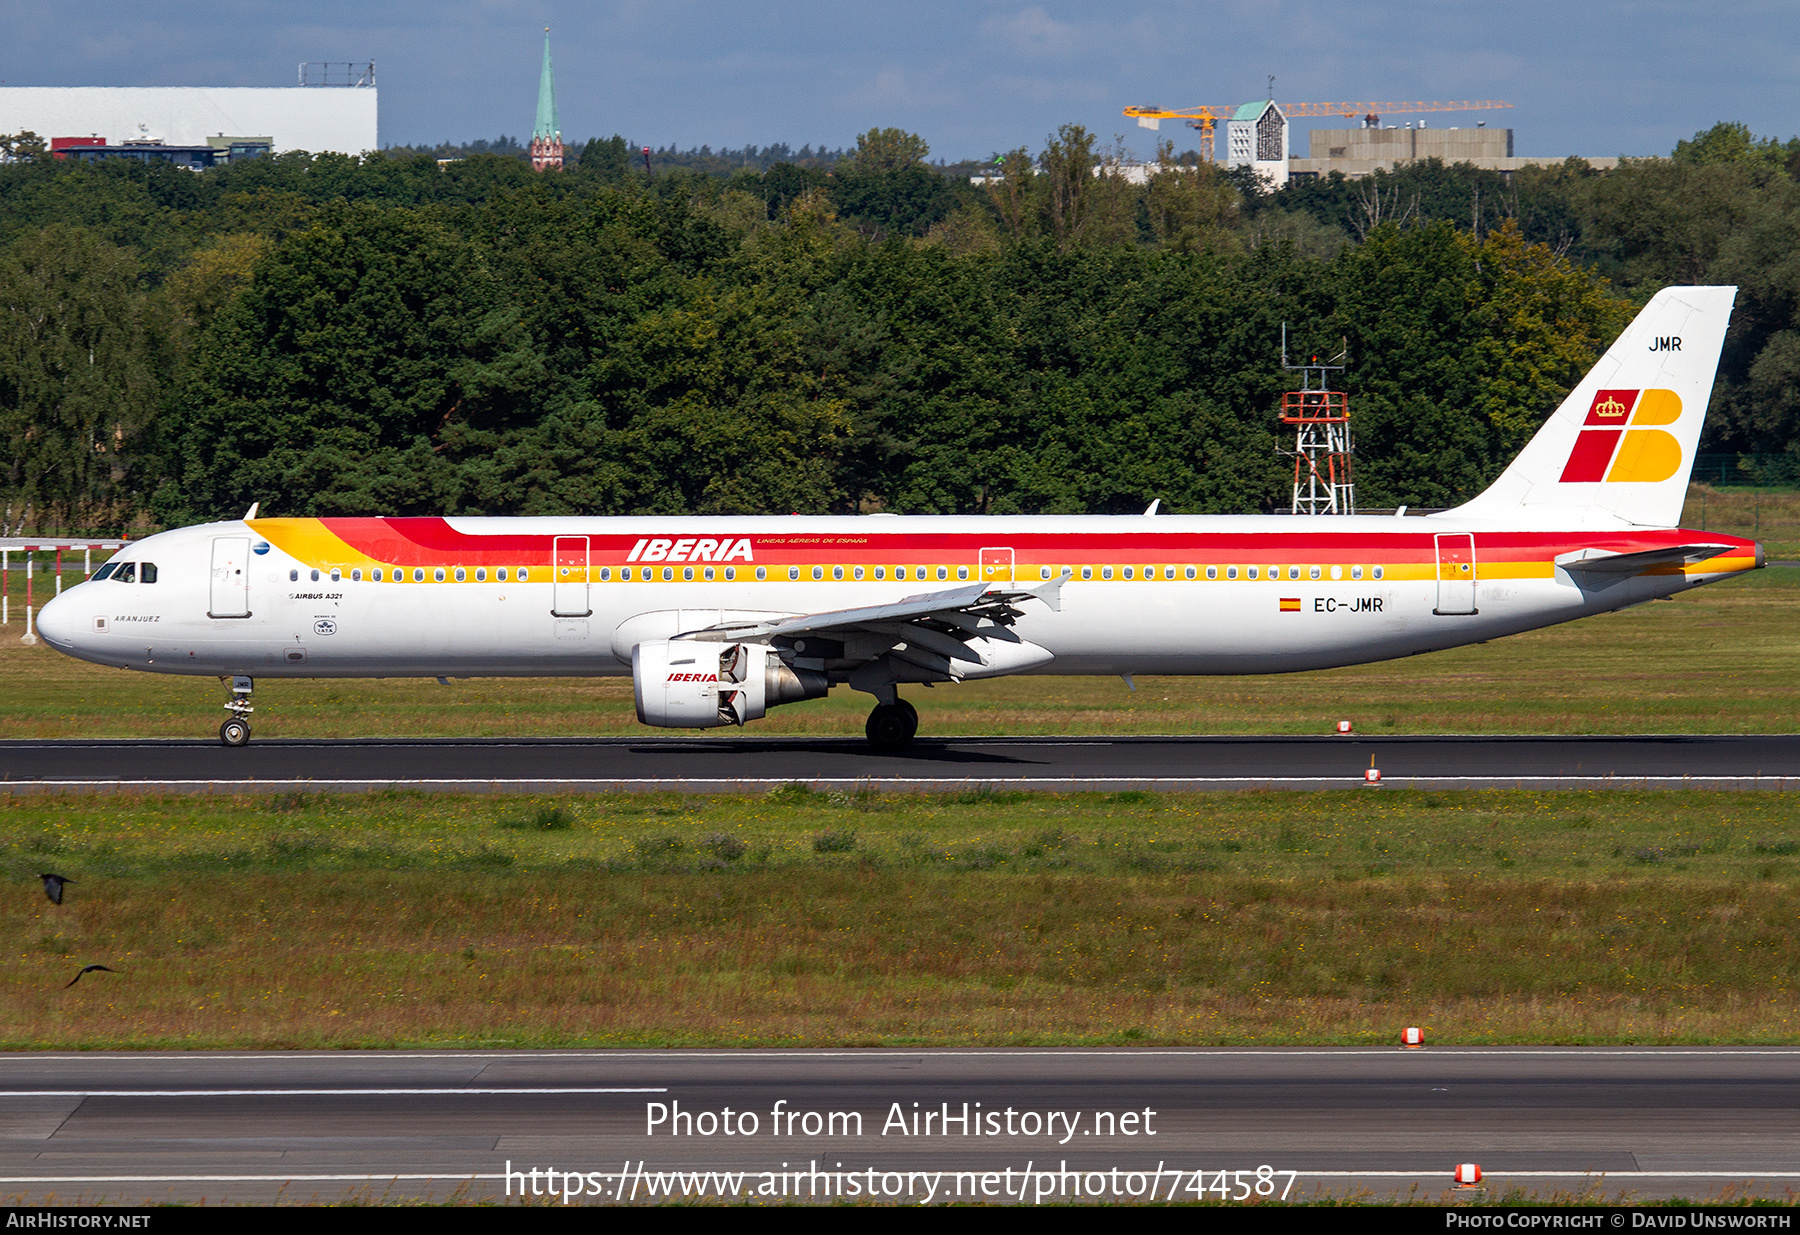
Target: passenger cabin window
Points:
(1087, 572)
(1356, 572)
(818, 572)
(942, 573)
(1212, 572)
(337, 576)
(1248, 574)
(1231, 572)
(127, 573)
(962, 572)
(315, 576)
(1377, 572)
(793, 572)
(524, 575)
(762, 572)
(1189, 572)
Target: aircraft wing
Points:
(961, 632)
(1605, 563)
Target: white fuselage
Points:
(1347, 590)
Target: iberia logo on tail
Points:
(1614, 443)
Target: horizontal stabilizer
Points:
(1605, 562)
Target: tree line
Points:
(388, 335)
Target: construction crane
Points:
(1202, 118)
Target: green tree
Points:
(1731, 142)
(888, 150)
(82, 366)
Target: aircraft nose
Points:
(56, 622)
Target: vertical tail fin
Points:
(1622, 444)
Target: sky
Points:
(973, 77)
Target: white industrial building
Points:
(311, 118)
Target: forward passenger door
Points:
(230, 593)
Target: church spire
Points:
(546, 134)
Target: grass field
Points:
(800, 918)
(1722, 659)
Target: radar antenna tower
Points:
(1320, 418)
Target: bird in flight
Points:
(88, 969)
(53, 887)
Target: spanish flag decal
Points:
(1290, 604)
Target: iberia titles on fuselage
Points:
(718, 619)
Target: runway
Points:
(736, 764)
(249, 1127)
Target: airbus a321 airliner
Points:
(719, 619)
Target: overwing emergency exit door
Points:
(569, 577)
(996, 565)
(230, 593)
(1456, 573)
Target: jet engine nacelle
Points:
(689, 684)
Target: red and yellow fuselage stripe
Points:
(349, 543)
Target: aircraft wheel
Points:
(235, 733)
(891, 726)
(912, 713)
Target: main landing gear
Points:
(236, 731)
(892, 725)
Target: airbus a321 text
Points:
(719, 619)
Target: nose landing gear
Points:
(891, 726)
(236, 731)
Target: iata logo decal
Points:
(695, 550)
(1606, 449)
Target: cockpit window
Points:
(148, 573)
(127, 573)
(106, 570)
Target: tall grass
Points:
(1255, 918)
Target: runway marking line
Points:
(1622, 779)
(289, 1093)
(898, 1053)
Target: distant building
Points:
(1256, 137)
(316, 118)
(546, 134)
(1358, 152)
